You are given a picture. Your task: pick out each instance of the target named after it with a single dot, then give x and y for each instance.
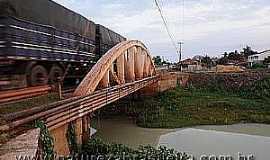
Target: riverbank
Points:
(199, 105)
(190, 107)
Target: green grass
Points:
(28, 103)
(22, 105)
(182, 108)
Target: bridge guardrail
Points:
(62, 112)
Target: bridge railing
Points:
(65, 111)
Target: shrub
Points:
(96, 147)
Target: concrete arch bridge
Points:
(127, 62)
(123, 70)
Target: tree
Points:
(157, 60)
(235, 56)
(208, 61)
(165, 62)
(225, 54)
(247, 51)
(266, 60)
(222, 61)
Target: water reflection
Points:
(200, 142)
(217, 140)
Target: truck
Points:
(43, 42)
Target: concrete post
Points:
(60, 140)
(130, 73)
(139, 62)
(120, 63)
(142, 61)
(79, 130)
(86, 128)
(146, 67)
(105, 81)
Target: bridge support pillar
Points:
(146, 67)
(139, 62)
(130, 74)
(120, 62)
(167, 81)
(60, 141)
(105, 81)
(79, 130)
(82, 129)
(150, 90)
(86, 128)
(82, 132)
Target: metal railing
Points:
(65, 111)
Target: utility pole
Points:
(180, 51)
(180, 54)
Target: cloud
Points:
(210, 26)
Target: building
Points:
(258, 58)
(190, 65)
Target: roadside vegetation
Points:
(22, 105)
(28, 103)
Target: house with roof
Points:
(190, 65)
(258, 58)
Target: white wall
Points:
(258, 57)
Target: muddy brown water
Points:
(123, 130)
(246, 139)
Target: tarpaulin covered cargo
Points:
(48, 12)
(108, 36)
(21, 39)
(107, 39)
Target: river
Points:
(123, 130)
(246, 139)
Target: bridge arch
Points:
(126, 62)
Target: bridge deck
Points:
(63, 112)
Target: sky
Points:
(205, 26)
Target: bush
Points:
(258, 66)
(96, 147)
(260, 89)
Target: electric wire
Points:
(183, 20)
(165, 24)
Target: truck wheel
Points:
(38, 76)
(56, 74)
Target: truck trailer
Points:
(42, 42)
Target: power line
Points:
(183, 20)
(161, 5)
(181, 31)
(166, 25)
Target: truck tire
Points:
(38, 76)
(56, 74)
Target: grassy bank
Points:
(190, 107)
(205, 105)
(211, 104)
